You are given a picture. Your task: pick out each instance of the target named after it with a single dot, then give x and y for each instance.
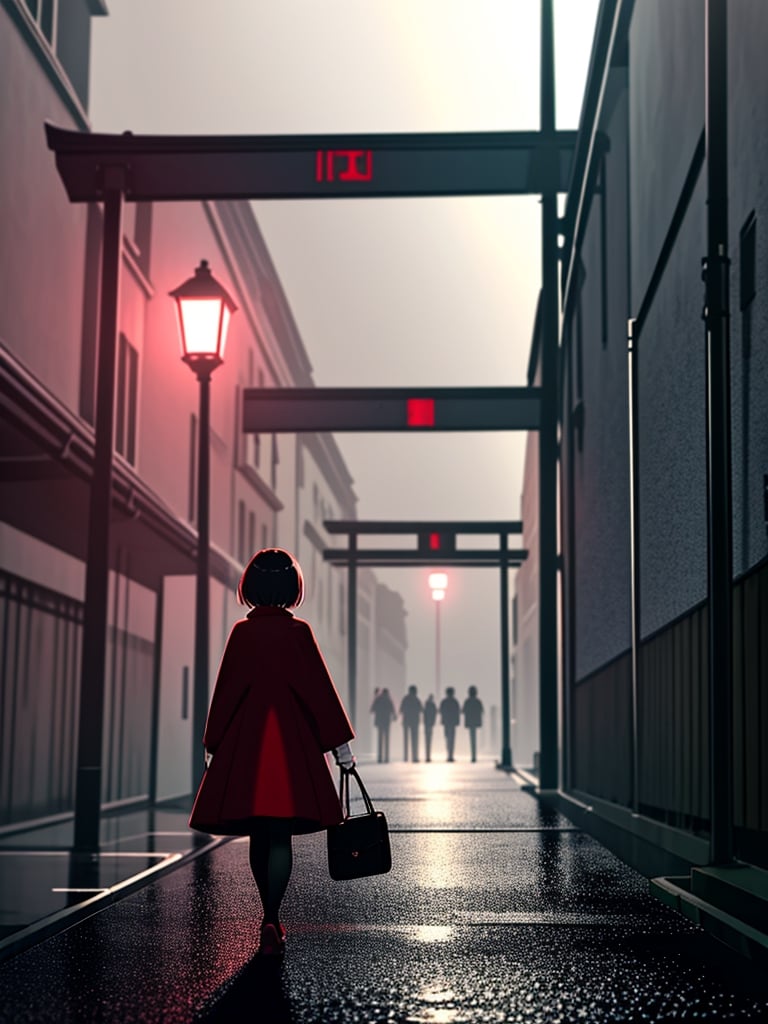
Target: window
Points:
(251, 535)
(142, 234)
(747, 281)
(127, 387)
(192, 468)
(241, 531)
(44, 14)
(603, 256)
(577, 350)
(252, 442)
(275, 461)
(342, 610)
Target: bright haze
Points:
(385, 292)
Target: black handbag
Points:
(359, 845)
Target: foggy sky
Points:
(384, 292)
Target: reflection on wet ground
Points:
(469, 926)
(41, 875)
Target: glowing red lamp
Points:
(204, 308)
(438, 584)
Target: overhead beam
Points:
(390, 526)
(410, 557)
(194, 167)
(425, 410)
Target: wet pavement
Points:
(41, 878)
(495, 910)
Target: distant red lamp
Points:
(204, 308)
(438, 584)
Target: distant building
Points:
(265, 490)
(635, 746)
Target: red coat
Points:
(273, 714)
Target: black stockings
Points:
(271, 859)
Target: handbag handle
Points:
(344, 791)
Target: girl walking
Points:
(273, 715)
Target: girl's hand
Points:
(208, 759)
(344, 756)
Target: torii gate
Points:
(436, 546)
(113, 169)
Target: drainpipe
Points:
(718, 396)
(548, 710)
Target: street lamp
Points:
(204, 309)
(438, 584)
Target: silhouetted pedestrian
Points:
(473, 718)
(410, 712)
(273, 715)
(383, 711)
(430, 715)
(449, 716)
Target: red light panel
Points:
(420, 412)
(434, 541)
(343, 165)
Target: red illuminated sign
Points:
(421, 412)
(434, 541)
(343, 165)
(281, 410)
(194, 167)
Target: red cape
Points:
(273, 714)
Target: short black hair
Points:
(273, 578)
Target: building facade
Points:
(633, 445)
(265, 490)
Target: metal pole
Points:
(506, 742)
(634, 512)
(95, 617)
(569, 570)
(202, 591)
(719, 518)
(352, 628)
(548, 774)
(437, 650)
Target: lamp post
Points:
(438, 584)
(204, 309)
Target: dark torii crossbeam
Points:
(435, 546)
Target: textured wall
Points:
(748, 193)
(666, 83)
(42, 244)
(601, 464)
(672, 428)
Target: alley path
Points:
(495, 911)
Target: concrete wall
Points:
(672, 427)
(748, 194)
(666, 117)
(42, 255)
(597, 393)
